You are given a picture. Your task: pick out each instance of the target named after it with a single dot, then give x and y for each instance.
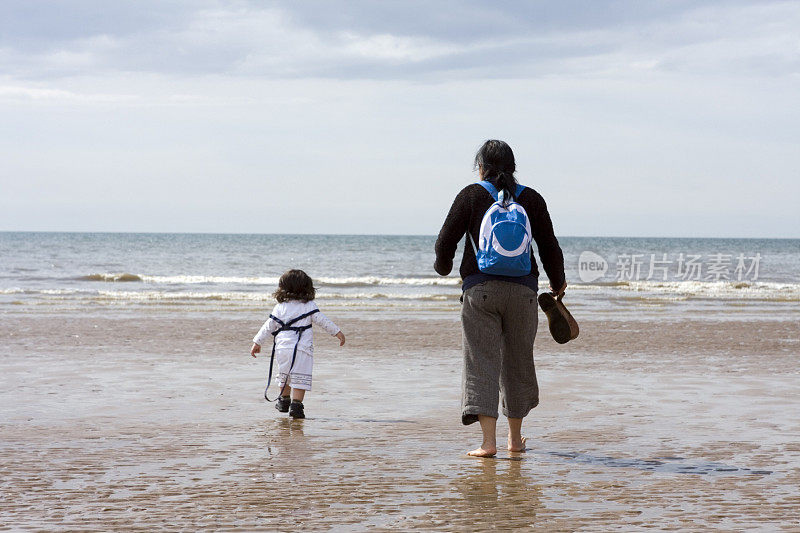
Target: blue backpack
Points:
(505, 236)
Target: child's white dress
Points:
(286, 340)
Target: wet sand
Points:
(145, 422)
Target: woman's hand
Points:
(340, 336)
(255, 349)
(560, 291)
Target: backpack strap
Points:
(472, 241)
(278, 320)
(491, 189)
(286, 326)
(301, 317)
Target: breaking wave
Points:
(241, 296)
(681, 290)
(124, 276)
(355, 281)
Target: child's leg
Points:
(283, 401)
(301, 375)
(286, 388)
(283, 360)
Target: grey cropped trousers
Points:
(498, 321)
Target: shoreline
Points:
(229, 332)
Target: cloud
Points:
(399, 40)
(23, 93)
(208, 102)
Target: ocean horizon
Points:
(317, 234)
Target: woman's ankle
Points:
(488, 431)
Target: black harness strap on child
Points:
(286, 326)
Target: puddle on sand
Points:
(674, 465)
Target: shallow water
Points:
(122, 423)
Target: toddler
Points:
(290, 323)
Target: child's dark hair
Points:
(295, 285)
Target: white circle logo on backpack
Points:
(502, 251)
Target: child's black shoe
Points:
(282, 404)
(296, 410)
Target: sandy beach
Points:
(158, 421)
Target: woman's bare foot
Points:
(516, 446)
(489, 442)
(483, 451)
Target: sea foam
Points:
(350, 281)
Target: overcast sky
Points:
(631, 118)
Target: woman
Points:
(499, 314)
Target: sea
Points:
(385, 276)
